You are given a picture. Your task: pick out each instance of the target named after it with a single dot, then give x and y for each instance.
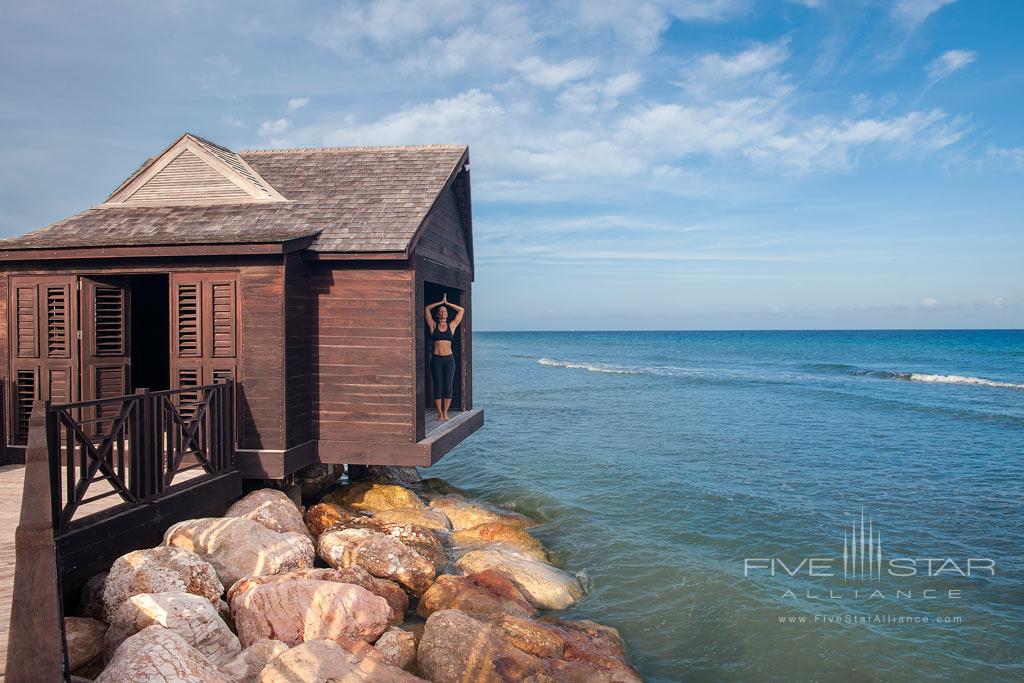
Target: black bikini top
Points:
(442, 335)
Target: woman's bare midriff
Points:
(442, 348)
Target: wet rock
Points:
(374, 497)
(513, 537)
(305, 609)
(316, 480)
(457, 648)
(398, 648)
(433, 487)
(190, 616)
(323, 516)
(84, 637)
(591, 645)
(253, 659)
(319, 661)
(90, 602)
(481, 595)
(543, 585)
(158, 655)
(239, 547)
(382, 556)
(420, 539)
(428, 519)
(466, 514)
(396, 597)
(164, 569)
(271, 508)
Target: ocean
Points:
(674, 471)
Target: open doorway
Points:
(432, 293)
(150, 333)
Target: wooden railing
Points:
(134, 446)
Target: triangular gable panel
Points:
(193, 171)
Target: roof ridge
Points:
(356, 148)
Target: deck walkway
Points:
(11, 480)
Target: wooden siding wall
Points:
(444, 237)
(262, 362)
(364, 322)
(298, 359)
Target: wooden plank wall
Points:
(364, 360)
(444, 237)
(262, 362)
(298, 359)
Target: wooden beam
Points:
(145, 251)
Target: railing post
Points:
(141, 445)
(36, 650)
(53, 458)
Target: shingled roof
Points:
(353, 199)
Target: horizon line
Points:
(778, 329)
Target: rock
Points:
(420, 539)
(398, 648)
(190, 616)
(321, 661)
(164, 569)
(374, 497)
(305, 609)
(271, 508)
(480, 595)
(435, 486)
(428, 519)
(543, 585)
(589, 644)
(528, 635)
(396, 597)
(159, 655)
(90, 602)
(466, 514)
(323, 516)
(253, 659)
(382, 556)
(492, 532)
(84, 637)
(316, 480)
(457, 648)
(238, 547)
(392, 474)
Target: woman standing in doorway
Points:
(442, 362)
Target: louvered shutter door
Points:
(43, 345)
(204, 328)
(106, 343)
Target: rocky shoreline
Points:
(386, 579)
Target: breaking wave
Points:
(938, 379)
(590, 367)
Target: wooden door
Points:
(204, 328)
(106, 343)
(43, 328)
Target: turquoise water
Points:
(660, 461)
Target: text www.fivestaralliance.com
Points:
(856, 619)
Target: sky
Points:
(688, 164)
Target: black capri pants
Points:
(442, 371)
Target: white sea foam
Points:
(959, 379)
(590, 367)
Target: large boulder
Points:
(482, 595)
(381, 555)
(164, 569)
(322, 661)
(398, 648)
(323, 516)
(158, 655)
(543, 585)
(374, 497)
(589, 646)
(190, 616)
(316, 480)
(456, 648)
(466, 514)
(271, 508)
(90, 602)
(84, 637)
(239, 547)
(494, 532)
(252, 660)
(420, 539)
(305, 609)
(428, 519)
(396, 597)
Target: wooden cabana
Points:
(300, 274)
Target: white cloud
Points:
(714, 72)
(275, 127)
(948, 63)
(930, 303)
(912, 13)
(596, 94)
(297, 103)
(232, 121)
(551, 75)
